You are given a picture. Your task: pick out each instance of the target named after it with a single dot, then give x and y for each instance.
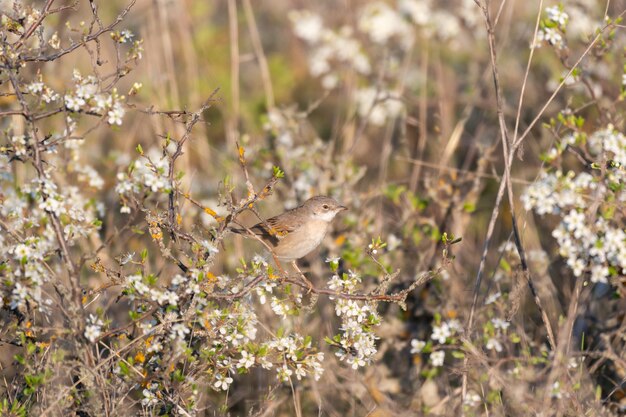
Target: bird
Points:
(296, 232)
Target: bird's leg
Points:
(306, 281)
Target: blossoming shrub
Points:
(125, 293)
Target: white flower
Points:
(179, 330)
(86, 90)
(21, 251)
(417, 346)
(393, 242)
(557, 15)
(51, 205)
(222, 382)
(355, 361)
(472, 399)
(552, 36)
(498, 323)
(246, 361)
(156, 346)
(149, 399)
(48, 95)
(93, 328)
(599, 273)
(102, 102)
(541, 195)
(279, 308)
(54, 41)
(493, 297)
(382, 23)
(441, 333)
(447, 24)
(306, 25)
(436, 358)
(260, 260)
(74, 103)
(125, 36)
(419, 11)
(171, 298)
(329, 82)
(300, 371)
(575, 362)
(265, 363)
(35, 87)
(494, 344)
(556, 390)
(115, 115)
(18, 296)
(92, 332)
(378, 106)
(209, 247)
(283, 373)
(455, 326)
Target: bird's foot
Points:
(308, 283)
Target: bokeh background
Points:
(390, 108)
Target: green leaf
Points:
(505, 265)
(458, 354)
(469, 207)
(277, 172)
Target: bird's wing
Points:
(276, 228)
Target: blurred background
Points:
(389, 107)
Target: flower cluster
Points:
(552, 28)
(149, 172)
(25, 210)
(123, 36)
(378, 106)
(443, 333)
(41, 91)
(337, 55)
(293, 354)
(136, 286)
(329, 47)
(383, 23)
(442, 23)
(357, 341)
(88, 96)
(149, 397)
(590, 234)
(93, 329)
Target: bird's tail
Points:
(238, 230)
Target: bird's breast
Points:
(302, 241)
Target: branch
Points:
(195, 118)
(86, 39)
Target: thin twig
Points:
(260, 55)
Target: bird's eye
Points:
(325, 207)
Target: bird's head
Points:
(323, 208)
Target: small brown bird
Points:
(298, 231)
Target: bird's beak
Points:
(342, 208)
